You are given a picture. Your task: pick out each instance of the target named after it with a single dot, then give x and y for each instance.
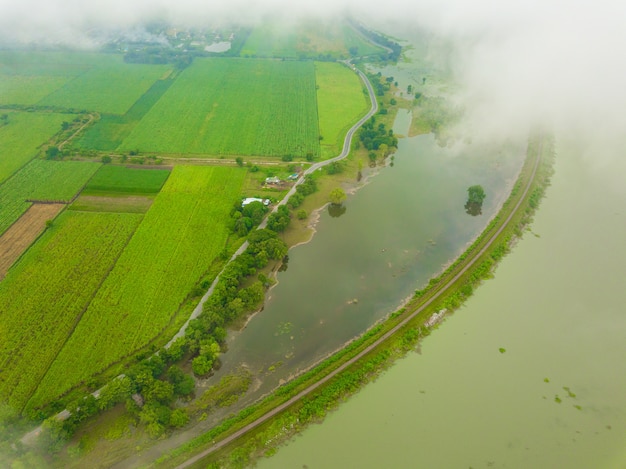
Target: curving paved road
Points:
(347, 142)
(375, 344)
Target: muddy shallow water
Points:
(529, 373)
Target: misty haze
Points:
(221, 222)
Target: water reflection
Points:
(473, 208)
(335, 210)
(285, 264)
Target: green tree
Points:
(474, 204)
(179, 418)
(52, 153)
(239, 161)
(337, 196)
(476, 194)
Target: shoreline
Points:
(394, 323)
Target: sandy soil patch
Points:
(24, 232)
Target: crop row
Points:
(44, 294)
(181, 234)
(232, 106)
(42, 180)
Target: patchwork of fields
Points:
(102, 282)
(184, 230)
(50, 181)
(309, 39)
(234, 107)
(91, 82)
(44, 295)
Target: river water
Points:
(531, 372)
(397, 232)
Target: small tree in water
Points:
(474, 204)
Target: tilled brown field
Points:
(23, 232)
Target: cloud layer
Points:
(519, 62)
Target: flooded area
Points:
(529, 373)
(360, 265)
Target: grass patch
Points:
(109, 203)
(120, 179)
(341, 101)
(312, 39)
(23, 135)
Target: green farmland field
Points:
(111, 130)
(44, 295)
(120, 179)
(53, 181)
(308, 39)
(234, 107)
(109, 86)
(21, 137)
(28, 77)
(75, 80)
(341, 101)
(182, 233)
(28, 90)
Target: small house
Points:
(272, 180)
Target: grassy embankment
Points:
(439, 294)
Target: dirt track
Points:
(23, 232)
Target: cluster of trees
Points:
(279, 220)
(151, 388)
(307, 187)
(244, 219)
(159, 55)
(372, 136)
